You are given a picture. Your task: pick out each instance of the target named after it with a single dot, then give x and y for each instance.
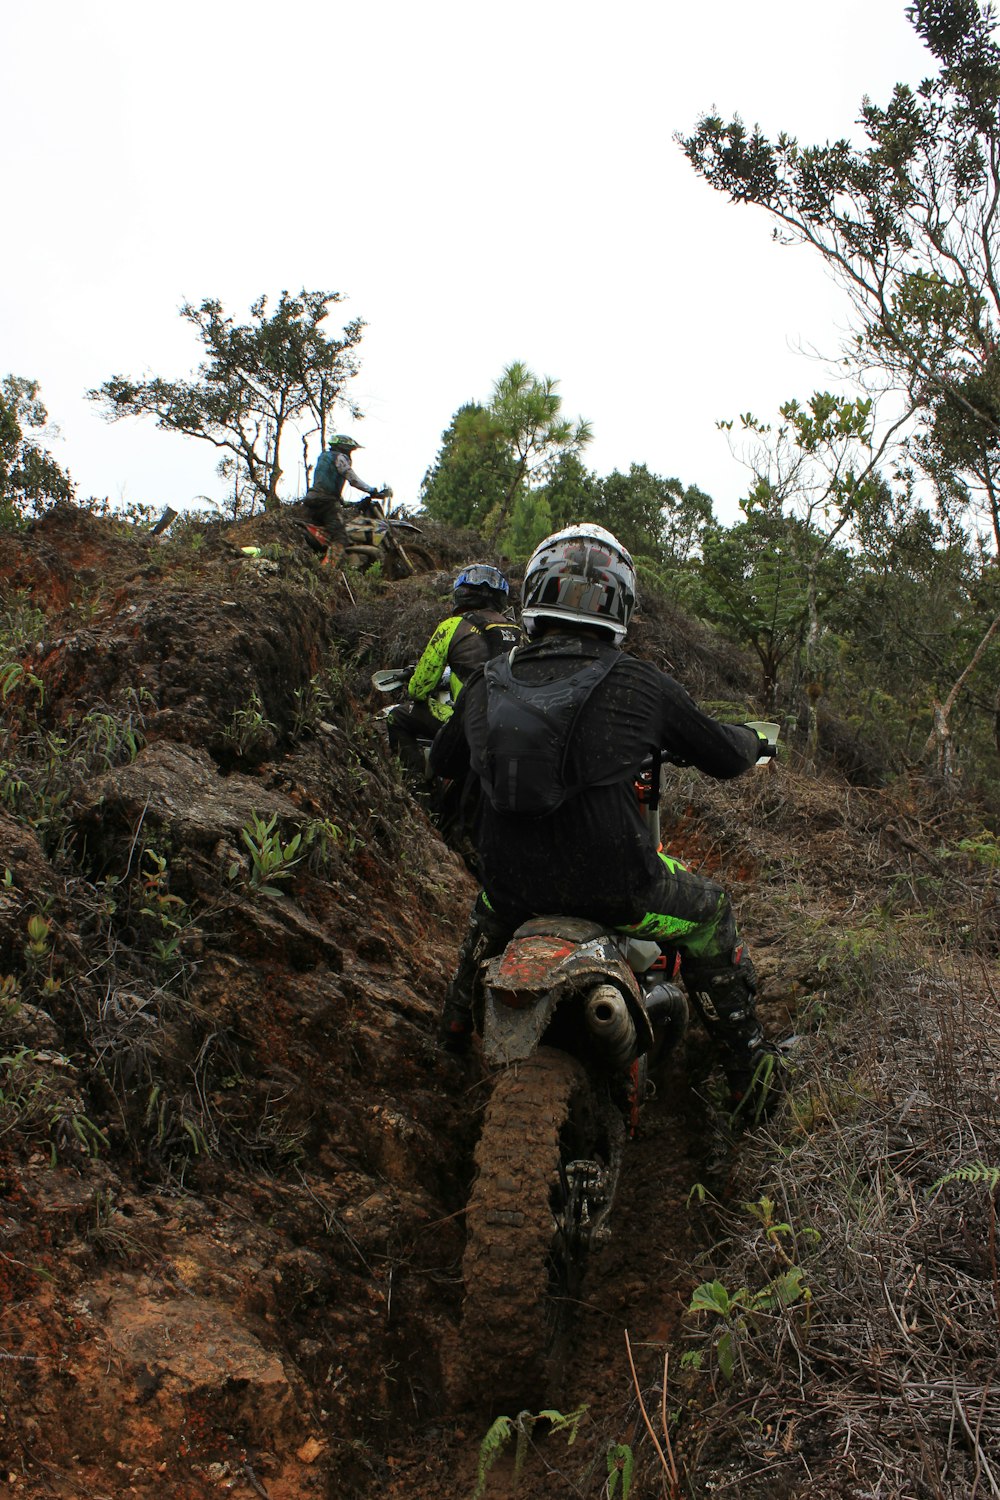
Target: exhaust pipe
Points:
(609, 1021)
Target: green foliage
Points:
(167, 914)
(735, 1312)
(473, 470)
(39, 947)
(656, 518)
(40, 768)
(270, 858)
(322, 837)
(621, 1464)
(37, 1102)
(250, 731)
(259, 383)
(520, 1428)
(13, 675)
(976, 1172)
(30, 478)
(491, 456)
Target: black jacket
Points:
(594, 856)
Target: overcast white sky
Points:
(482, 182)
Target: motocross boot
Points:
(725, 998)
(485, 938)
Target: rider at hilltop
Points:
(558, 733)
(324, 498)
(476, 630)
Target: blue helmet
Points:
(479, 584)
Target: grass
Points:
(872, 1374)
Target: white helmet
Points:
(582, 574)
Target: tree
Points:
(818, 468)
(654, 517)
(751, 586)
(260, 382)
(472, 472)
(528, 413)
(491, 455)
(29, 475)
(909, 223)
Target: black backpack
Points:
(529, 727)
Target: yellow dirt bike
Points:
(374, 535)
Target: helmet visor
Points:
(481, 576)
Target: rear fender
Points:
(541, 967)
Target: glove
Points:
(768, 733)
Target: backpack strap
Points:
(495, 633)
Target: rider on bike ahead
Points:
(323, 500)
(571, 711)
(476, 630)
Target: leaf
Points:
(711, 1296)
(620, 1466)
(724, 1352)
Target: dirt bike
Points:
(374, 535)
(444, 800)
(395, 681)
(575, 1019)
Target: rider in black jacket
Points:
(592, 854)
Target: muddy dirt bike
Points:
(575, 1020)
(374, 535)
(393, 682)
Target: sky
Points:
(481, 183)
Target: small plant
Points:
(985, 850)
(737, 1312)
(620, 1467)
(270, 859)
(39, 947)
(776, 1233)
(975, 1171)
(34, 1103)
(13, 675)
(520, 1428)
(250, 729)
(323, 837)
(168, 912)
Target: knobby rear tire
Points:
(520, 1278)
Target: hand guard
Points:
(768, 732)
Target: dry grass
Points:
(871, 1201)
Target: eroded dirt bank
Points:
(232, 1160)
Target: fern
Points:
(520, 1428)
(973, 1171)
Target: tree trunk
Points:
(939, 740)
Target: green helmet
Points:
(341, 440)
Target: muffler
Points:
(609, 1021)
